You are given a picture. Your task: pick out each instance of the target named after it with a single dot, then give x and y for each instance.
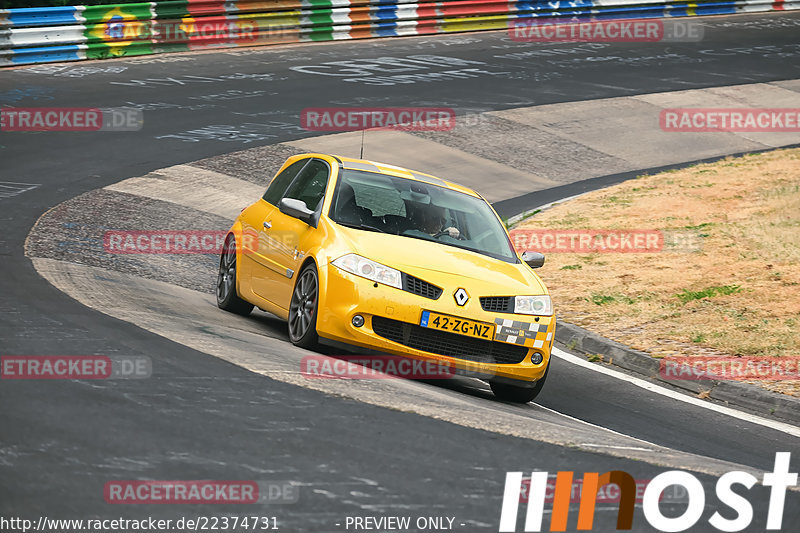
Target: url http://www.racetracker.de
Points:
(198, 523)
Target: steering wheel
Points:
(445, 232)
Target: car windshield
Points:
(378, 202)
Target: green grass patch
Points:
(704, 225)
(603, 299)
(687, 296)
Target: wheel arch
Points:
(311, 260)
(237, 232)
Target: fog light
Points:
(358, 321)
(536, 358)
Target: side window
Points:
(310, 184)
(281, 181)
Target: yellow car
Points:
(355, 253)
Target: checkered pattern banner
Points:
(532, 335)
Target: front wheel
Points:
(227, 298)
(303, 309)
(517, 394)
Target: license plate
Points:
(462, 326)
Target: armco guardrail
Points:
(42, 35)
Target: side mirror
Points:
(296, 208)
(533, 259)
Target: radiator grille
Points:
(498, 304)
(448, 344)
(420, 287)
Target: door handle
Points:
(267, 225)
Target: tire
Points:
(517, 394)
(303, 309)
(227, 297)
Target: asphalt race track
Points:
(221, 404)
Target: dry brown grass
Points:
(748, 212)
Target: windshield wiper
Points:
(362, 226)
(420, 237)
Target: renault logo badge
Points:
(461, 297)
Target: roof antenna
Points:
(362, 143)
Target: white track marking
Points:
(10, 188)
(657, 389)
(602, 428)
(612, 447)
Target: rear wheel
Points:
(517, 394)
(303, 309)
(227, 298)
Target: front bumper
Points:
(392, 317)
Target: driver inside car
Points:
(431, 219)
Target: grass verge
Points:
(738, 294)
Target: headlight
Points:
(533, 305)
(361, 266)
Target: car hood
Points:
(441, 264)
